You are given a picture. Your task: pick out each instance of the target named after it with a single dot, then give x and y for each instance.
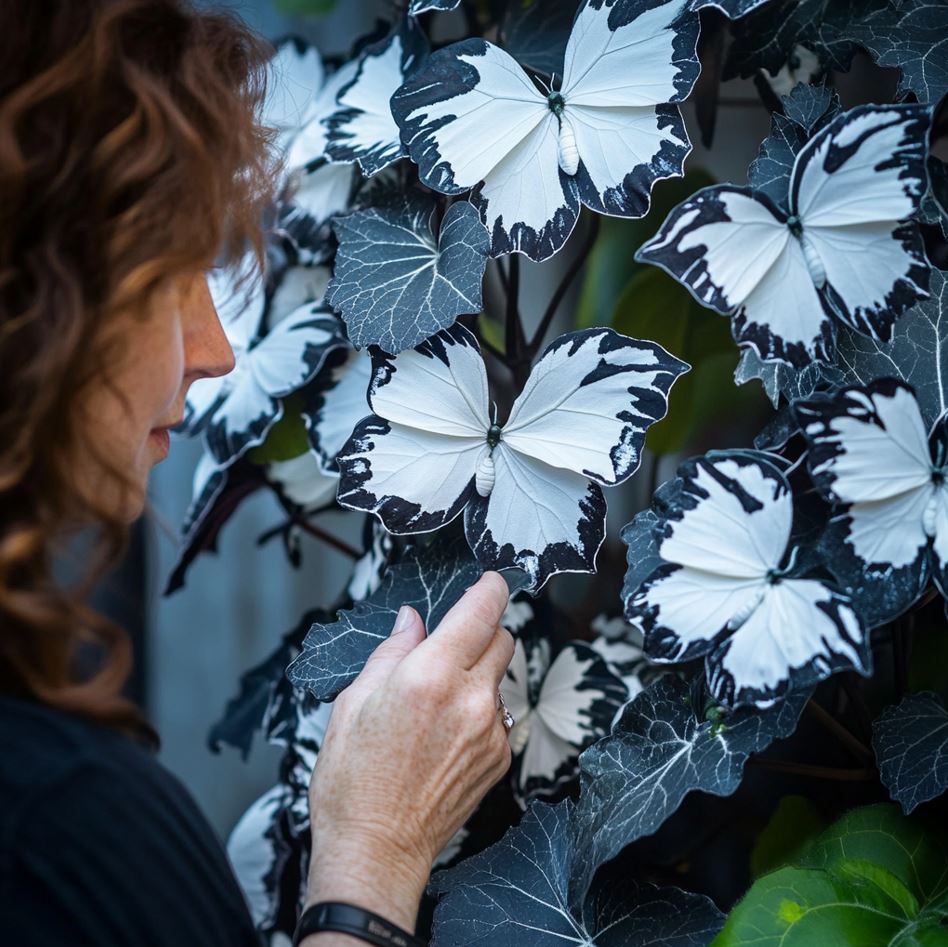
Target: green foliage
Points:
(286, 439)
(873, 879)
(305, 7)
(795, 822)
(654, 306)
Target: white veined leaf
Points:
(728, 588)
(417, 7)
(362, 128)
(395, 282)
(284, 360)
(846, 248)
(559, 708)
(530, 488)
(871, 455)
(601, 139)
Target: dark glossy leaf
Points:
(431, 580)
(662, 748)
(245, 712)
(911, 745)
(805, 111)
(732, 9)
(535, 33)
(917, 353)
(766, 38)
(218, 491)
(395, 282)
(912, 36)
(516, 893)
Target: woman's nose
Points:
(208, 353)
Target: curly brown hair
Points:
(130, 151)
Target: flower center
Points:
(556, 102)
(795, 225)
(493, 436)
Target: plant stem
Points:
(572, 272)
(849, 740)
(816, 772)
(328, 538)
(852, 685)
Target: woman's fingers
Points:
(408, 631)
(468, 629)
(496, 658)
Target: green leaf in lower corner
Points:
(873, 879)
(795, 822)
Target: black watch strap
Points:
(355, 921)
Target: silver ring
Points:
(506, 717)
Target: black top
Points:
(100, 845)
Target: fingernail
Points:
(402, 620)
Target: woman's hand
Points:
(412, 746)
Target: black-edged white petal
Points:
(310, 200)
(588, 402)
(396, 282)
(868, 449)
(308, 149)
(303, 481)
(362, 127)
(783, 269)
(622, 647)
(417, 7)
(336, 404)
(853, 186)
(295, 74)
(538, 518)
(259, 849)
(603, 138)
(283, 361)
(413, 462)
(725, 590)
(625, 64)
(911, 746)
(559, 708)
(300, 759)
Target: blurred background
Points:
(192, 647)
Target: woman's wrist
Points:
(363, 872)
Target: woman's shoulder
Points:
(96, 829)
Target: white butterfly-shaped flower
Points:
(294, 76)
(621, 646)
(870, 452)
(530, 488)
(846, 249)
(559, 708)
(471, 118)
(727, 587)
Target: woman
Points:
(130, 163)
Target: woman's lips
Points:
(161, 438)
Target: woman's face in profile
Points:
(128, 414)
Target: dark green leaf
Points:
(795, 822)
